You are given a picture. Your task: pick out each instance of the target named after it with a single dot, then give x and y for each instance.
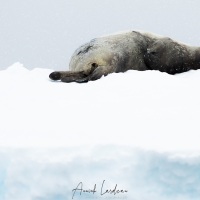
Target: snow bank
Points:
(138, 130)
(151, 110)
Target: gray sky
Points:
(45, 33)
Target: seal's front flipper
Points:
(92, 74)
(69, 79)
(96, 74)
(101, 71)
(68, 76)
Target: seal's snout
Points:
(55, 76)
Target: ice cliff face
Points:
(54, 173)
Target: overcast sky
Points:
(45, 33)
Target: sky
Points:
(45, 33)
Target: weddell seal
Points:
(131, 50)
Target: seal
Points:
(167, 55)
(128, 51)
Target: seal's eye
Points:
(94, 65)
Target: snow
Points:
(139, 130)
(145, 109)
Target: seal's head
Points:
(94, 54)
(89, 62)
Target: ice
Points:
(139, 130)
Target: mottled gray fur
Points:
(126, 51)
